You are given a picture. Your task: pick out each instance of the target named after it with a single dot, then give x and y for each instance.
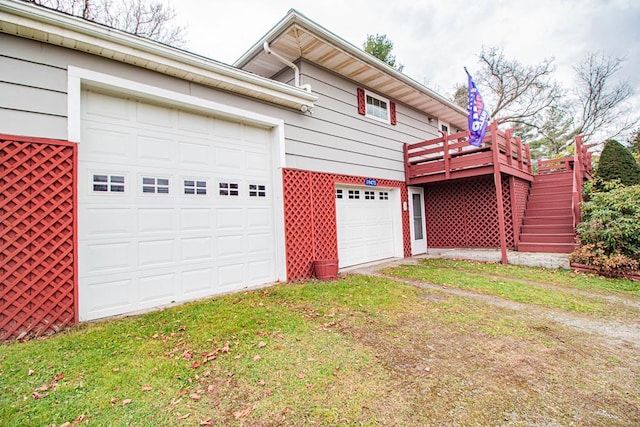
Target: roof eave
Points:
(41, 24)
(294, 17)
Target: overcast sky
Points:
(434, 40)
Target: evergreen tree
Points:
(617, 162)
(380, 47)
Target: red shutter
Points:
(362, 107)
(392, 112)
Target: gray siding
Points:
(334, 138)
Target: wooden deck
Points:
(451, 157)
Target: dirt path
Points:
(626, 334)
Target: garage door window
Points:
(257, 190)
(229, 189)
(354, 194)
(383, 195)
(338, 193)
(195, 187)
(369, 195)
(108, 183)
(155, 185)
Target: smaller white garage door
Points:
(365, 220)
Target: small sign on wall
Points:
(370, 182)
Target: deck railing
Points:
(450, 155)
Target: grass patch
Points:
(541, 275)
(360, 350)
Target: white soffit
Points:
(298, 37)
(37, 23)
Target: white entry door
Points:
(417, 223)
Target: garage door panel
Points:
(196, 283)
(154, 115)
(108, 257)
(156, 220)
(108, 298)
(155, 149)
(157, 289)
(114, 145)
(197, 249)
(143, 249)
(196, 220)
(156, 253)
(195, 154)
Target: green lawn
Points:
(360, 350)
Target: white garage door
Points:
(173, 206)
(365, 223)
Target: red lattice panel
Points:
(37, 236)
(310, 218)
(508, 212)
(522, 189)
(462, 214)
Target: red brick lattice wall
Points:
(310, 218)
(37, 236)
(464, 214)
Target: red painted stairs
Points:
(548, 221)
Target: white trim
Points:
(379, 98)
(441, 123)
(77, 77)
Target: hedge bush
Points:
(617, 163)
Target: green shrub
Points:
(610, 228)
(617, 162)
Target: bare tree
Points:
(145, 18)
(602, 98)
(516, 93)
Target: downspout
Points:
(296, 70)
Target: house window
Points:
(369, 195)
(229, 189)
(154, 185)
(377, 107)
(197, 187)
(103, 183)
(444, 127)
(257, 190)
(383, 195)
(338, 193)
(354, 194)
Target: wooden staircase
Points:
(548, 217)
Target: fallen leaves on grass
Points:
(241, 414)
(125, 402)
(146, 387)
(257, 358)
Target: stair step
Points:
(566, 211)
(549, 204)
(547, 238)
(553, 176)
(552, 187)
(549, 197)
(548, 220)
(562, 248)
(547, 228)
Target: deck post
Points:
(407, 166)
(498, 183)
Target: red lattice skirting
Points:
(37, 236)
(310, 218)
(464, 213)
